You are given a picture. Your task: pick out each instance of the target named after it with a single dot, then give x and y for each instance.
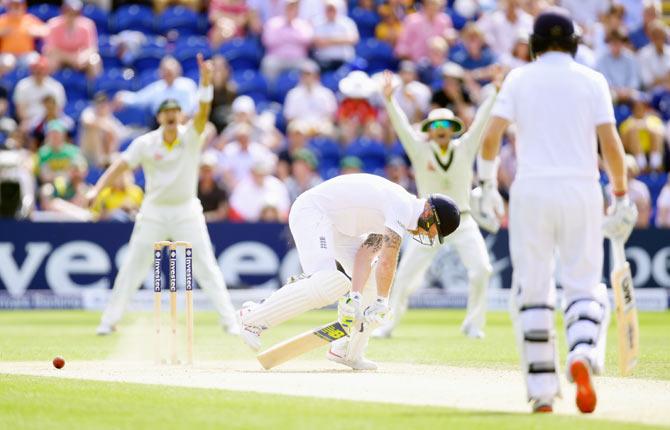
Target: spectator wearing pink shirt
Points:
(419, 27)
(73, 40)
(286, 39)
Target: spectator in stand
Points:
(260, 12)
(586, 12)
(52, 111)
(610, 21)
(30, 91)
(170, 85)
(262, 130)
(663, 207)
(225, 92)
(419, 27)
(310, 101)
(619, 66)
(73, 41)
(18, 33)
(637, 192)
(312, 11)
(57, 155)
(258, 190)
(473, 54)
(303, 173)
(286, 39)
(269, 214)
(651, 12)
(212, 196)
(502, 27)
(351, 164)
(642, 135)
(519, 55)
(453, 94)
(120, 201)
(100, 132)
(296, 140)
(229, 19)
(66, 194)
(654, 59)
(334, 38)
(397, 171)
(237, 157)
(392, 14)
(7, 124)
(412, 96)
(430, 68)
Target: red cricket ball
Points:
(58, 362)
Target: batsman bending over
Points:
(170, 157)
(350, 220)
(443, 163)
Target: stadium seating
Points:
(44, 11)
(178, 19)
(328, 153)
(113, 80)
(132, 17)
(283, 84)
(134, 116)
(371, 153)
(149, 57)
(366, 21)
(378, 54)
(97, 15)
(74, 108)
(186, 50)
(242, 53)
(251, 83)
(11, 78)
(74, 82)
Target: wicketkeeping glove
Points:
(620, 219)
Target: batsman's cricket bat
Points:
(626, 311)
(300, 344)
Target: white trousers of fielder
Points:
(548, 218)
(468, 242)
(187, 223)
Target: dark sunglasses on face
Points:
(440, 124)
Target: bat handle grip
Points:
(618, 252)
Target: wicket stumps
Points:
(172, 285)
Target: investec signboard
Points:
(71, 265)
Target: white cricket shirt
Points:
(556, 104)
(171, 175)
(359, 204)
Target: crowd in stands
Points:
(296, 96)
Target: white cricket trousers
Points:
(557, 217)
(468, 242)
(187, 223)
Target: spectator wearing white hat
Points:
(258, 190)
(412, 96)
(287, 39)
(263, 130)
(310, 101)
(335, 36)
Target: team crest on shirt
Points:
(158, 156)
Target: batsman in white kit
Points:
(442, 162)
(170, 158)
(556, 206)
(350, 221)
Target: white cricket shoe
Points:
(250, 334)
(383, 332)
(105, 329)
(543, 406)
(361, 363)
(472, 332)
(230, 325)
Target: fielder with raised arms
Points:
(442, 163)
(556, 204)
(351, 220)
(170, 157)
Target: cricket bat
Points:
(300, 344)
(626, 311)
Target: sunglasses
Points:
(440, 124)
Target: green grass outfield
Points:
(426, 336)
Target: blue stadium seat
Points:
(149, 58)
(132, 17)
(331, 80)
(660, 100)
(655, 183)
(457, 19)
(188, 48)
(44, 11)
(251, 83)
(378, 54)
(11, 78)
(329, 153)
(242, 53)
(145, 79)
(366, 21)
(74, 108)
(97, 15)
(111, 81)
(74, 82)
(180, 19)
(94, 173)
(134, 115)
(621, 112)
(371, 152)
(284, 83)
(108, 54)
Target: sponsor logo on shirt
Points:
(322, 243)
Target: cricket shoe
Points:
(105, 329)
(230, 325)
(383, 332)
(250, 334)
(580, 372)
(472, 332)
(543, 406)
(361, 363)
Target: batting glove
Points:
(487, 206)
(349, 310)
(620, 219)
(377, 313)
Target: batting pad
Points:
(312, 292)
